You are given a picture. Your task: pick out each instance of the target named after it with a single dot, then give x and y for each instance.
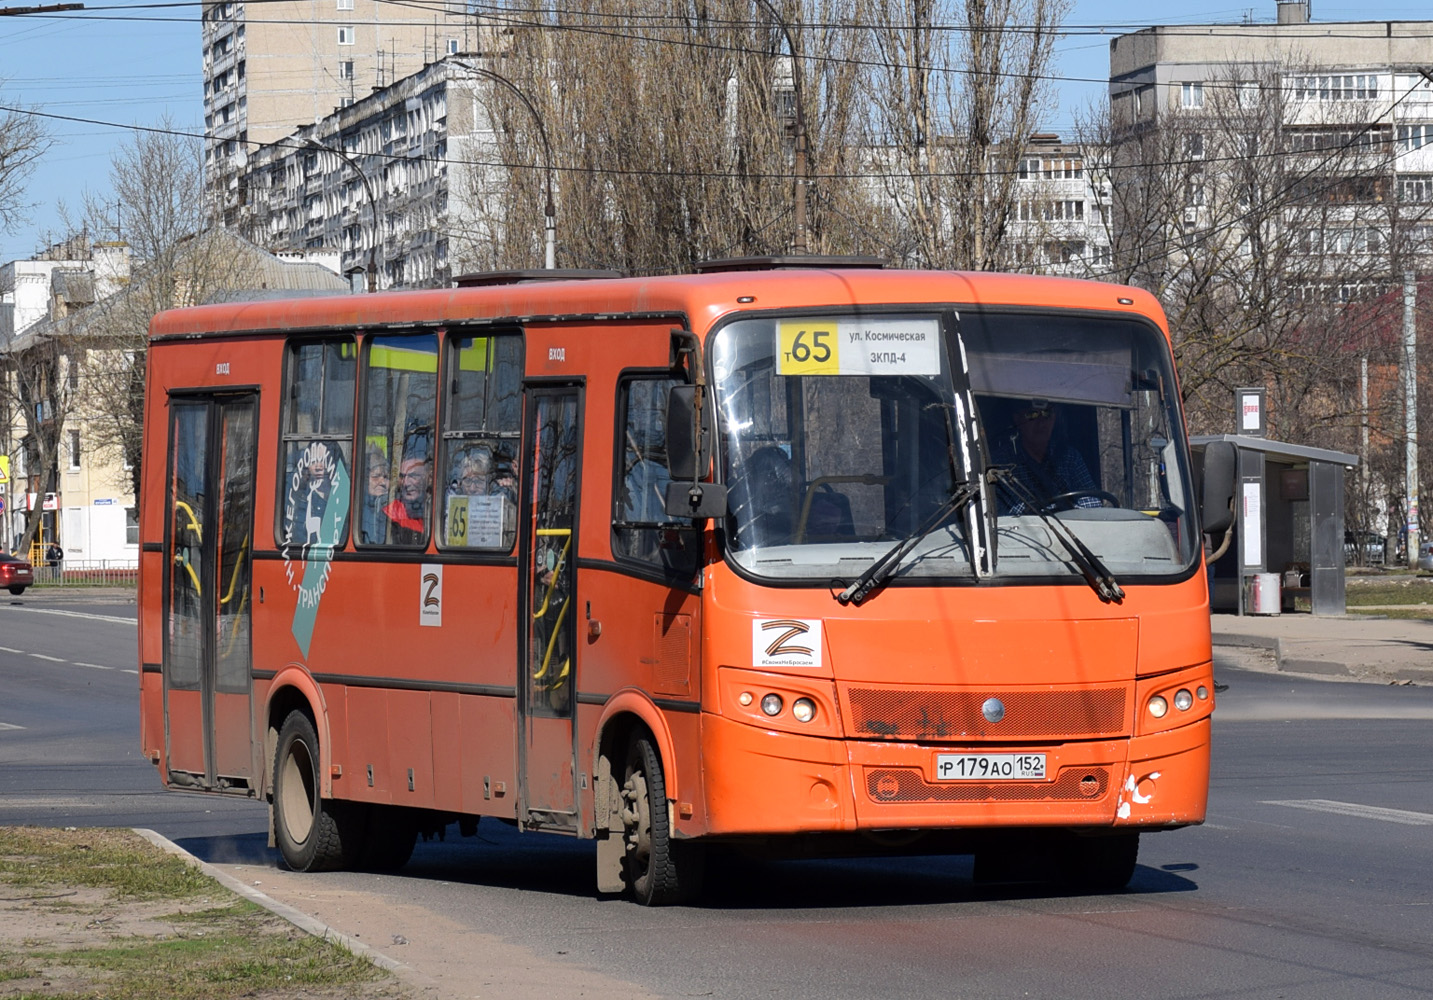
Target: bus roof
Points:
(700, 298)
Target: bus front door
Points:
(206, 659)
(548, 564)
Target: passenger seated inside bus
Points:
(408, 511)
(1044, 464)
(373, 523)
(481, 499)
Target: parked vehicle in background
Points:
(15, 573)
(1425, 556)
(1364, 548)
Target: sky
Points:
(137, 62)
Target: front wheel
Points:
(313, 833)
(657, 869)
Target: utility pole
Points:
(1410, 413)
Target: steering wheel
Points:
(1066, 501)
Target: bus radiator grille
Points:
(902, 714)
(908, 784)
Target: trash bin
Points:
(1264, 597)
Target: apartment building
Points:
(271, 67)
(1061, 217)
(1334, 118)
(384, 180)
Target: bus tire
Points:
(1099, 863)
(388, 842)
(313, 833)
(658, 870)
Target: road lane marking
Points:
(10, 725)
(79, 614)
(1362, 812)
(97, 666)
(7, 649)
(42, 656)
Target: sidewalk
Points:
(1356, 647)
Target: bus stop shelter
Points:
(1288, 528)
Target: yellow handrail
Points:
(556, 570)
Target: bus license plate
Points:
(990, 767)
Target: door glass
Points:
(188, 501)
(235, 531)
(554, 556)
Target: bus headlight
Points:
(1183, 699)
(804, 709)
(1158, 706)
(772, 704)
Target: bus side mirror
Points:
(691, 499)
(1216, 498)
(689, 448)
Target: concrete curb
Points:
(302, 921)
(1286, 663)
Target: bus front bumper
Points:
(769, 782)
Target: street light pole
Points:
(549, 210)
(799, 166)
(372, 204)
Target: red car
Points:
(15, 573)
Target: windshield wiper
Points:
(880, 570)
(1096, 574)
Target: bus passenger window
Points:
(400, 413)
(317, 443)
(641, 528)
(483, 413)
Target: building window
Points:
(1194, 146)
(345, 34)
(131, 526)
(1418, 188)
(1338, 87)
(1248, 95)
(1411, 137)
(345, 4)
(1029, 169)
(452, 46)
(1191, 95)
(74, 449)
(345, 70)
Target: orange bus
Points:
(788, 554)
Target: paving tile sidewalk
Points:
(1359, 647)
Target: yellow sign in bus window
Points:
(856, 346)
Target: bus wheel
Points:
(1099, 863)
(658, 870)
(313, 833)
(389, 841)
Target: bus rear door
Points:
(206, 654)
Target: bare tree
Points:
(674, 134)
(23, 141)
(961, 85)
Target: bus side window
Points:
(317, 443)
(400, 414)
(483, 414)
(641, 528)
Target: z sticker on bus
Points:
(786, 642)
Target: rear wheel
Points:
(17, 591)
(1098, 863)
(313, 833)
(657, 869)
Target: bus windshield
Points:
(842, 437)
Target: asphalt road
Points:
(1313, 877)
